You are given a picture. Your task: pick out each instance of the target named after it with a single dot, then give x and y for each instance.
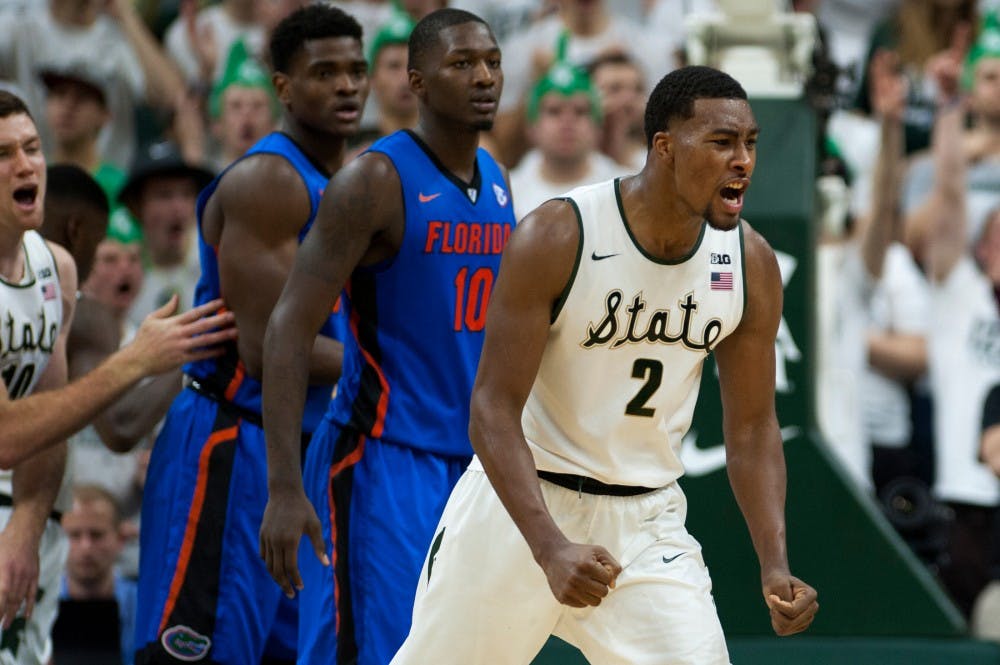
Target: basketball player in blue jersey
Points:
(413, 229)
(38, 408)
(204, 591)
(569, 520)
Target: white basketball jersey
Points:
(620, 374)
(30, 319)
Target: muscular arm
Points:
(164, 342)
(360, 220)
(536, 266)
(94, 337)
(754, 456)
(37, 479)
(254, 219)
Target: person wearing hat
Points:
(243, 106)
(160, 193)
(564, 125)
(395, 106)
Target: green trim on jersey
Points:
(561, 300)
(628, 229)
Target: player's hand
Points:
(580, 575)
(166, 340)
(792, 603)
(287, 517)
(18, 573)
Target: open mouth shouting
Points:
(732, 195)
(26, 197)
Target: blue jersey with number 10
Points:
(416, 320)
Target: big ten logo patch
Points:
(721, 259)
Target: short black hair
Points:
(674, 96)
(70, 183)
(11, 104)
(427, 32)
(319, 21)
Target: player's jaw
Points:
(726, 205)
(26, 203)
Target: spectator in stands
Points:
(107, 452)
(918, 30)
(243, 106)
(160, 192)
(110, 39)
(619, 80)
(874, 344)
(564, 115)
(962, 259)
(394, 104)
(76, 112)
(580, 32)
(93, 527)
(198, 39)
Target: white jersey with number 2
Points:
(619, 378)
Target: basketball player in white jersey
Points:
(37, 409)
(569, 521)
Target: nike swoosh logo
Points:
(425, 198)
(666, 560)
(600, 257)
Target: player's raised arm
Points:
(537, 266)
(754, 453)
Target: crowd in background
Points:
(152, 98)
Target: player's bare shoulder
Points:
(545, 247)
(67, 279)
(761, 263)
(763, 280)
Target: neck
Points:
(324, 148)
(84, 154)
(561, 171)
(455, 147)
(11, 256)
(102, 588)
(388, 124)
(660, 222)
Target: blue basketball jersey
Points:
(416, 320)
(225, 376)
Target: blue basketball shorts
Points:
(204, 592)
(379, 504)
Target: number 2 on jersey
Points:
(652, 371)
(472, 294)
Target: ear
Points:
(663, 145)
(281, 85)
(417, 85)
(74, 227)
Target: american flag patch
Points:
(49, 291)
(722, 281)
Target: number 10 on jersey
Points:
(472, 295)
